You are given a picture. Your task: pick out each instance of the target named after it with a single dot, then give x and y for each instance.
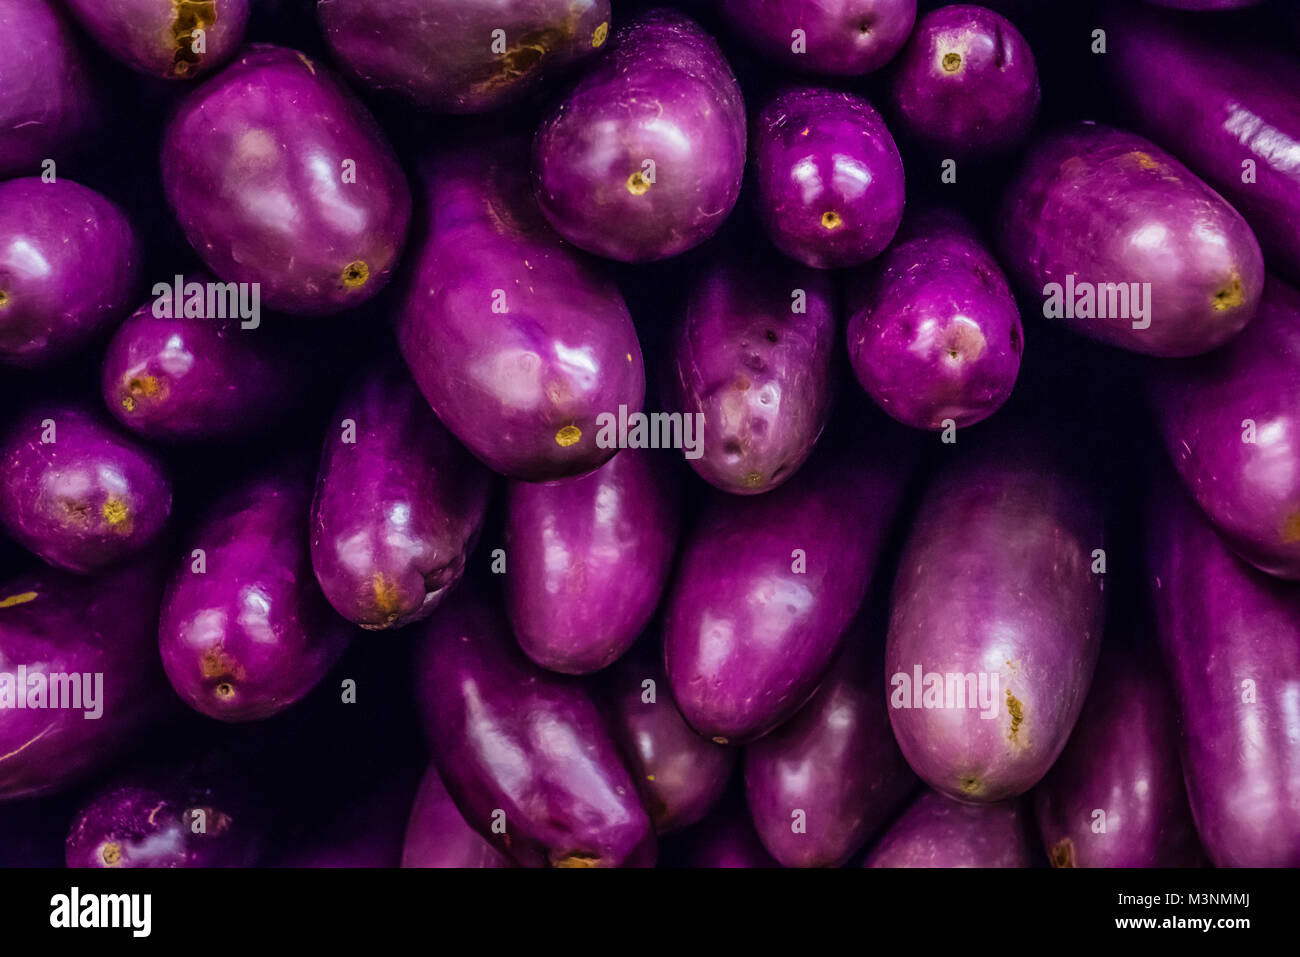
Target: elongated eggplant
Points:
(437, 835)
(838, 37)
(938, 832)
(172, 39)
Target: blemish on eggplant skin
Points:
(355, 274)
(831, 220)
(1017, 714)
(111, 854)
(4, 298)
(1230, 296)
(637, 184)
(1291, 529)
(578, 859)
(602, 32)
(190, 15)
(117, 514)
(569, 435)
(1062, 853)
(21, 598)
(951, 62)
(969, 785)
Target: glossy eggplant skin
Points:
(938, 832)
(821, 784)
(398, 507)
(1115, 796)
(995, 586)
(1231, 423)
(1096, 210)
(644, 158)
(69, 263)
(443, 55)
(245, 630)
(308, 202)
(438, 836)
(753, 354)
(1228, 636)
(159, 37)
(518, 341)
(589, 557)
(525, 754)
(56, 623)
(766, 587)
(841, 37)
(77, 492)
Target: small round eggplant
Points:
(938, 832)
(837, 37)
(172, 39)
(437, 835)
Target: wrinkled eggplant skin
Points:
(56, 623)
(829, 177)
(46, 99)
(843, 37)
(1215, 104)
(69, 263)
(588, 559)
(836, 761)
(966, 85)
(251, 634)
(680, 775)
(938, 832)
(77, 492)
(310, 202)
(1111, 207)
(399, 504)
(156, 37)
(766, 587)
(1230, 421)
(440, 54)
(663, 93)
(437, 835)
(1121, 769)
(934, 331)
(1228, 635)
(996, 577)
(509, 738)
(518, 341)
(761, 374)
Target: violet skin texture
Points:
(437, 835)
(69, 262)
(441, 54)
(841, 37)
(829, 178)
(245, 630)
(309, 202)
(77, 492)
(934, 331)
(399, 504)
(510, 738)
(157, 37)
(644, 158)
(47, 103)
(937, 832)
(1122, 760)
(517, 340)
(52, 622)
(766, 587)
(1109, 207)
(588, 559)
(1229, 639)
(1231, 423)
(995, 582)
(966, 85)
(834, 766)
(759, 371)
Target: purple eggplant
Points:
(1230, 420)
(766, 587)
(245, 630)
(399, 504)
(70, 641)
(820, 785)
(437, 835)
(644, 158)
(838, 37)
(309, 202)
(589, 558)
(829, 177)
(996, 623)
(461, 56)
(966, 84)
(1125, 245)
(725, 839)
(69, 262)
(938, 832)
(524, 754)
(519, 342)
(934, 332)
(172, 39)
(365, 830)
(681, 776)
(77, 492)
(1229, 638)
